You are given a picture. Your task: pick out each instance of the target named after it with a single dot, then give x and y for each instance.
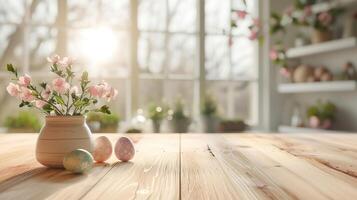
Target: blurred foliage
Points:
(178, 111)
(322, 110)
(105, 120)
(133, 130)
(24, 120)
(157, 112)
(209, 106)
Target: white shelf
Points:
(331, 86)
(324, 47)
(291, 129)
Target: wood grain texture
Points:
(193, 166)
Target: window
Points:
(97, 34)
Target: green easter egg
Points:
(78, 161)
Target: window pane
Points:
(42, 43)
(235, 99)
(100, 50)
(182, 15)
(12, 11)
(217, 16)
(244, 63)
(217, 57)
(45, 12)
(152, 15)
(151, 52)
(151, 91)
(11, 48)
(183, 90)
(181, 55)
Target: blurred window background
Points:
(98, 34)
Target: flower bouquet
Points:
(65, 100)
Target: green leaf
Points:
(43, 85)
(11, 69)
(59, 99)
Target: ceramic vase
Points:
(209, 124)
(61, 135)
(180, 125)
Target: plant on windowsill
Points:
(65, 105)
(232, 126)
(157, 114)
(102, 122)
(179, 121)
(23, 122)
(209, 118)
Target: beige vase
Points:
(61, 135)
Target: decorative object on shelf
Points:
(24, 122)
(303, 73)
(209, 118)
(124, 149)
(102, 149)
(179, 121)
(296, 118)
(301, 40)
(321, 115)
(242, 18)
(156, 114)
(232, 126)
(65, 105)
(78, 161)
(350, 25)
(349, 71)
(102, 122)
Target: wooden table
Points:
(194, 166)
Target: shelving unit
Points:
(330, 46)
(332, 86)
(320, 7)
(291, 129)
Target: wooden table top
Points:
(193, 166)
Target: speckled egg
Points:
(78, 161)
(102, 149)
(124, 149)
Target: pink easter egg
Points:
(102, 149)
(124, 149)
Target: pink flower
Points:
(40, 103)
(46, 93)
(273, 54)
(26, 94)
(53, 59)
(285, 72)
(253, 35)
(65, 62)
(96, 90)
(13, 89)
(74, 90)
(110, 94)
(241, 14)
(314, 122)
(24, 80)
(60, 85)
(325, 18)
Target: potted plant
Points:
(24, 122)
(232, 126)
(102, 122)
(156, 114)
(321, 115)
(209, 117)
(178, 119)
(65, 105)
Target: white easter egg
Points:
(102, 149)
(124, 149)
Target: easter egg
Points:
(78, 161)
(124, 149)
(102, 149)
